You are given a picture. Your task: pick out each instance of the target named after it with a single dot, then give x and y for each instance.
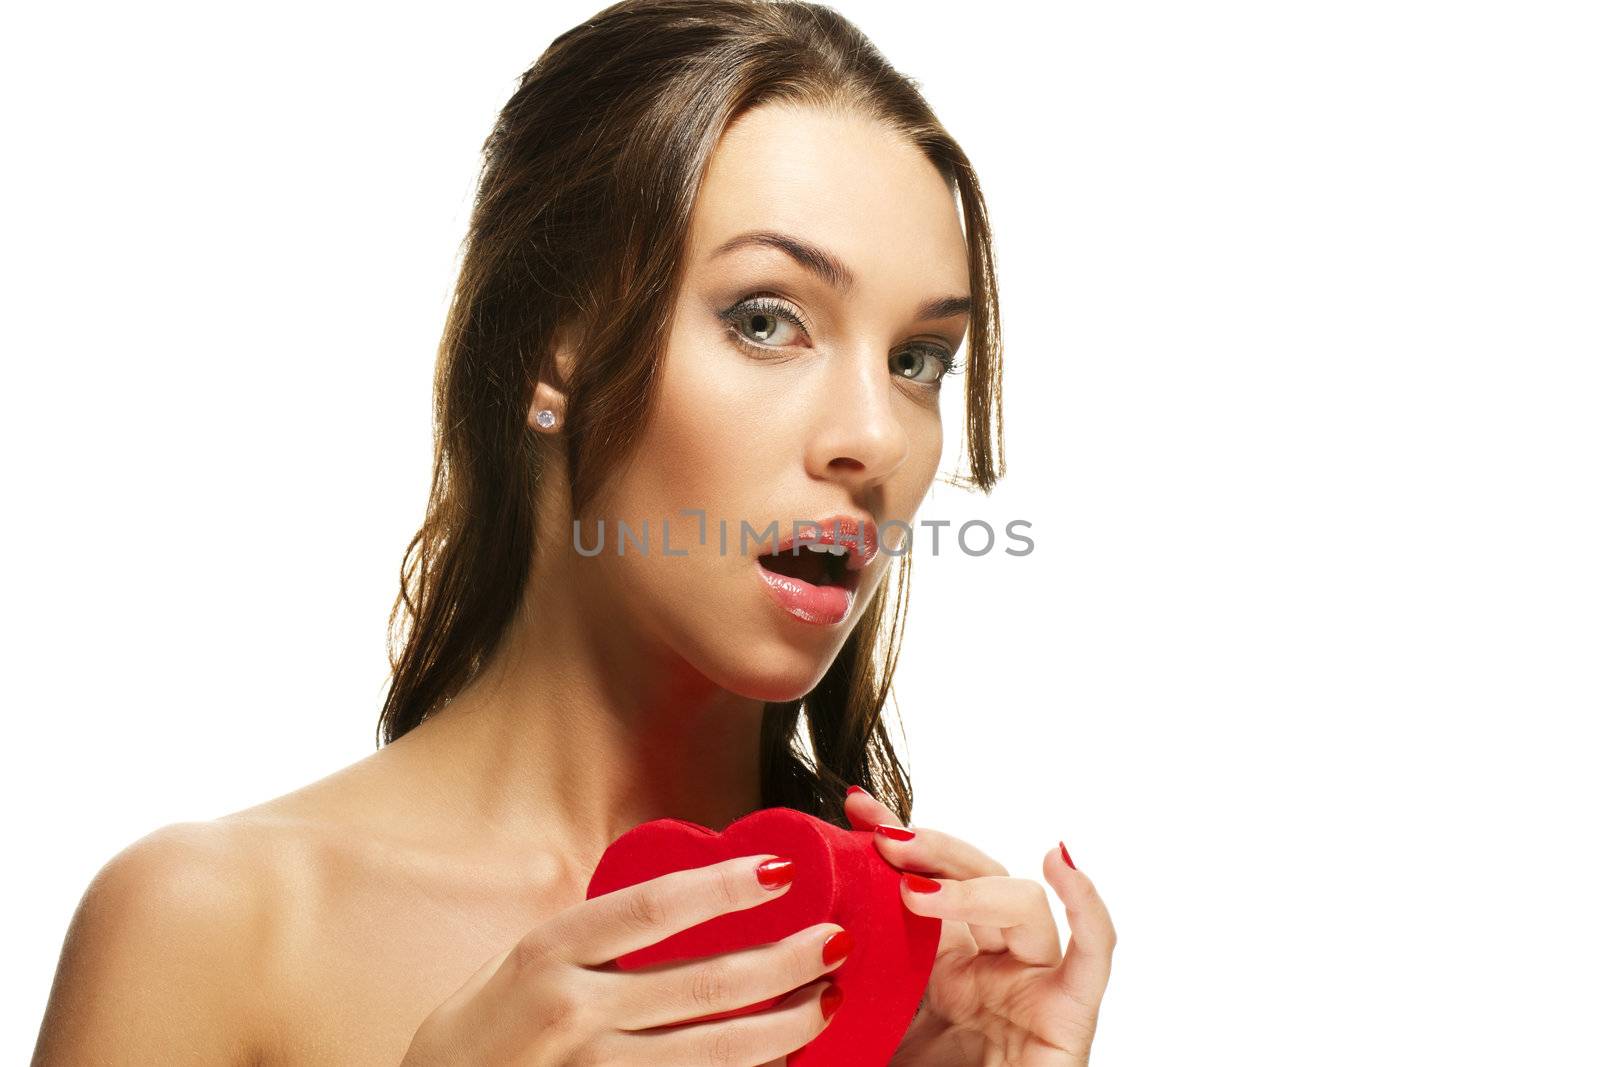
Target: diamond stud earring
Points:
(545, 418)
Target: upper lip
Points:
(859, 534)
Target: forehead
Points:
(842, 181)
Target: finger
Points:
(598, 930)
(690, 990)
(957, 937)
(1086, 968)
(916, 850)
(941, 855)
(866, 811)
(1017, 907)
(759, 1037)
(987, 938)
(934, 853)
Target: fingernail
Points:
(837, 947)
(918, 884)
(832, 997)
(894, 833)
(1066, 856)
(774, 874)
(855, 789)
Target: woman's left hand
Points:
(1001, 992)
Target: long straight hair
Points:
(580, 222)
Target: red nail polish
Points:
(1066, 856)
(837, 947)
(774, 874)
(918, 884)
(832, 997)
(855, 789)
(894, 833)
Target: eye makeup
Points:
(766, 306)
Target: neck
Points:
(579, 728)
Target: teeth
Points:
(832, 550)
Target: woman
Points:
(720, 265)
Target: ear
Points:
(551, 396)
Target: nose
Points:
(860, 437)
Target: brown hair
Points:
(583, 203)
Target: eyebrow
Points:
(827, 266)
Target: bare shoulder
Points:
(163, 955)
(290, 932)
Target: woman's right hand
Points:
(554, 999)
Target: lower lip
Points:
(821, 605)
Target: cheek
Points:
(927, 446)
(909, 485)
(704, 448)
(704, 444)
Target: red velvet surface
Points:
(839, 877)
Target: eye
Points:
(926, 364)
(762, 322)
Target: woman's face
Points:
(760, 419)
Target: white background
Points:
(1301, 327)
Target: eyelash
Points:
(767, 306)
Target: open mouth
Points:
(814, 577)
(818, 565)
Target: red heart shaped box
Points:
(839, 877)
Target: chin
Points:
(776, 672)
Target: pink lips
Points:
(860, 536)
(823, 605)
